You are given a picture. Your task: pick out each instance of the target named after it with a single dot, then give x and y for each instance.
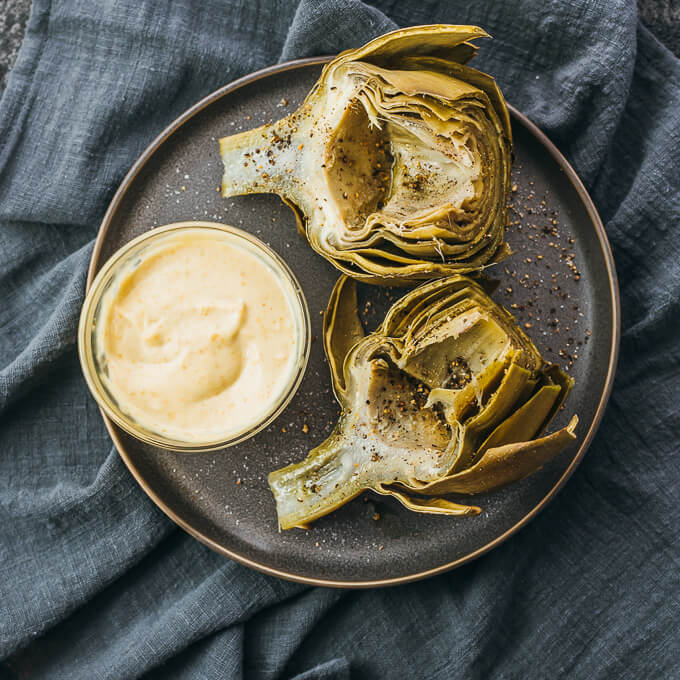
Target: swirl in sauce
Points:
(198, 338)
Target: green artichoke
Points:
(448, 395)
(397, 164)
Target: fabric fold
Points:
(96, 581)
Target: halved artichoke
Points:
(397, 164)
(448, 395)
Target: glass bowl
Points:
(93, 359)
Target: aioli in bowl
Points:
(194, 336)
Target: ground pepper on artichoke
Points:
(447, 396)
(397, 164)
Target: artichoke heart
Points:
(447, 396)
(397, 164)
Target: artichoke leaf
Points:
(502, 465)
(429, 506)
(437, 39)
(499, 406)
(526, 422)
(342, 329)
(447, 395)
(397, 164)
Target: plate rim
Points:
(583, 194)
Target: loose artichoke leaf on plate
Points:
(446, 396)
(397, 164)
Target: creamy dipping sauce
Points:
(198, 336)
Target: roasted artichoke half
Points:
(397, 164)
(448, 395)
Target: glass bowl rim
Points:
(107, 274)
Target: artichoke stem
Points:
(325, 480)
(263, 160)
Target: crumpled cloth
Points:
(95, 582)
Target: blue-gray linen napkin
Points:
(95, 582)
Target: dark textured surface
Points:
(662, 17)
(13, 18)
(97, 582)
(224, 496)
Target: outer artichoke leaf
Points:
(558, 377)
(436, 39)
(461, 54)
(499, 406)
(526, 422)
(428, 506)
(300, 220)
(342, 329)
(395, 174)
(522, 426)
(502, 465)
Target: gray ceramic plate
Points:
(561, 278)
